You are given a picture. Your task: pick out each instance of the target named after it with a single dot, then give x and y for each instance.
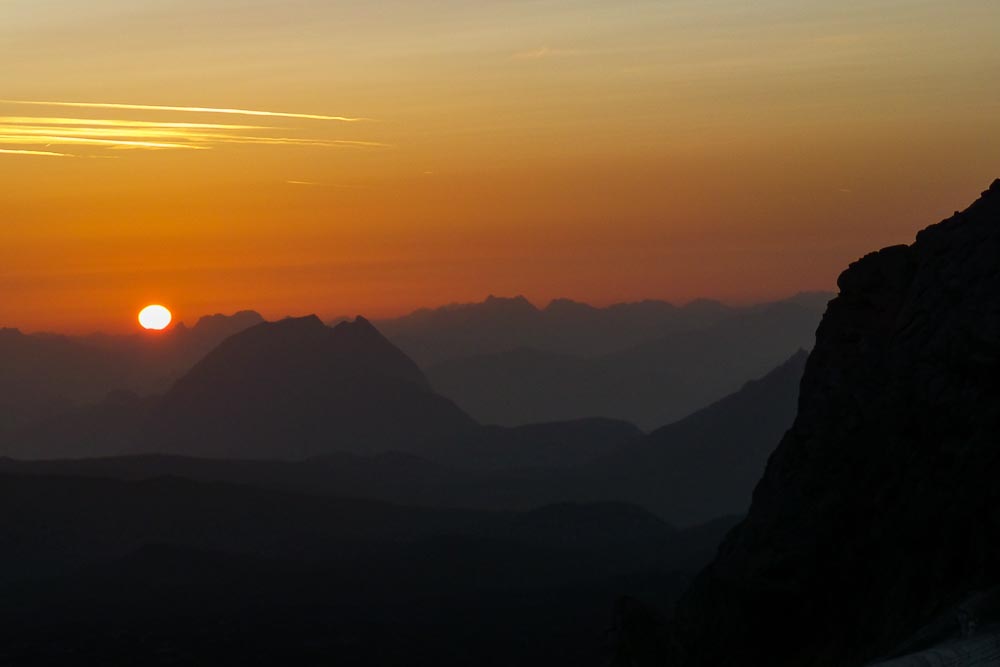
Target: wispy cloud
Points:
(289, 141)
(9, 151)
(33, 120)
(62, 140)
(23, 133)
(157, 107)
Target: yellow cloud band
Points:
(155, 107)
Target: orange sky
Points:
(597, 150)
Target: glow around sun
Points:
(154, 317)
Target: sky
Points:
(402, 154)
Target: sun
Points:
(154, 317)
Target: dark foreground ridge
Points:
(171, 571)
(877, 513)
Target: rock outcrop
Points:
(880, 508)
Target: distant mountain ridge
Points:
(499, 324)
(45, 374)
(651, 383)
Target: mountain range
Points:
(499, 324)
(296, 389)
(503, 361)
(689, 472)
(651, 383)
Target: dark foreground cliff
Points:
(880, 509)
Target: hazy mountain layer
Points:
(652, 383)
(43, 375)
(697, 469)
(498, 324)
(295, 389)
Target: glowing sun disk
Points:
(154, 317)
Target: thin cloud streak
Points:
(6, 151)
(41, 120)
(156, 107)
(287, 141)
(106, 132)
(55, 140)
(177, 137)
(26, 132)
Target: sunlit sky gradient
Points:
(428, 152)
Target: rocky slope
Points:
(879, 508)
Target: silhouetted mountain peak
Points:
(189, 344)
(306, 343)
(360, 343)
(515, 304)
(210, 324)
(359, 329)
(296, 387)
(978, 213)
(360, 326)
(306, 322)
(286, 333)
(887, 473)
